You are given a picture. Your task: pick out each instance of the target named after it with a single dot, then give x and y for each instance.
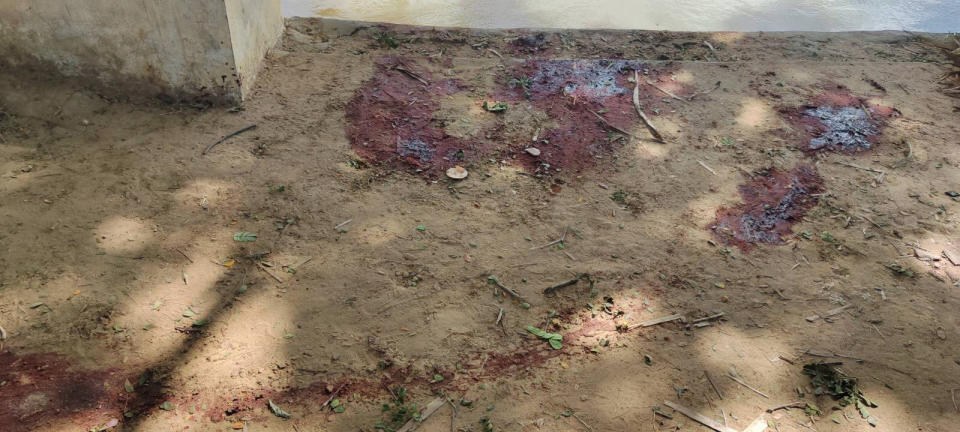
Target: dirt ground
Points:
(127, 300)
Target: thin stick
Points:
(738, 380)
(559, 240)
(499, 317)
(797, 404)
(582, 422)
(342, 224)
(211, 146)
(878, 330)
(665, 91)
(713, 384)
(711, 317)
(656, 321)
(431, 408)
(411, 74)
(636, 105)
(561, 285)
(333, 395)
(453, 415)
(860, 167)
(495, 52)
(184, 255)
(259, 264)
(700, 418)
(605, 122)
(953, 397)
(708, 168)
(3, 334)
(508, 290)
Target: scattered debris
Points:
(228, 136)
(244, 237)
(700, 418)
(495, 107)
(713, 384)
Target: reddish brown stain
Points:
(772, 202)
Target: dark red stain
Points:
(391, 120)
(836, 120)
(772, 202)
(40, 388)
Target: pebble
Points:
(533, 151)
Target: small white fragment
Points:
(532, 151)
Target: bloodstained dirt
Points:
(835, 120)
(393, 119)
(773, 200)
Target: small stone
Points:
(457, 173)
(532, 151)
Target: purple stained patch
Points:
(588, 79)
(848, 128)
(415, 147)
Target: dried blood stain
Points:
(772, 202)
(836, 120)
(393, 119)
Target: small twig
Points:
(221, 140)
(431, 408)
(495, 52)
(453, 415)
(562, 285)
(332, 395)
(342, 224)
(700, 418)
(265, 270)
(665, 91)
(582, 422)
(860, 167)
(713, 384)
(508, 290)
(878, 330)
(499, 317)
(953, 397)
(656, 321)
(559, 240)
(740, 381)
(605, 122)
(712, 49)
(797, 404)
(707, 318)
(569, 256)
(708, 168)
(411, 74)
(636, 105)
(184, 255)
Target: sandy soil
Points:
(124, 295)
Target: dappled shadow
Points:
(400, 295)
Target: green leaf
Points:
(339, 409)
(335, 403)
(421, 228)
(188, 313)
(244, 237)
(555, 343)
(200, 323)
(276, 410)
(554, 339)
(157, 304)
(827, 237)
(288, 336)
(437, 377)
(127, 386)
(167, 406)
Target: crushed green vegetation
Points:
(827, 380)
(398, 411)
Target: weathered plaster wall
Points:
(177, 48)
(255, 26)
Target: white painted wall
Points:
(177, 48)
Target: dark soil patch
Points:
(838, 121)
(772, 202)
(394, 121)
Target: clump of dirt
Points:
(838, 121)
(772, 202)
